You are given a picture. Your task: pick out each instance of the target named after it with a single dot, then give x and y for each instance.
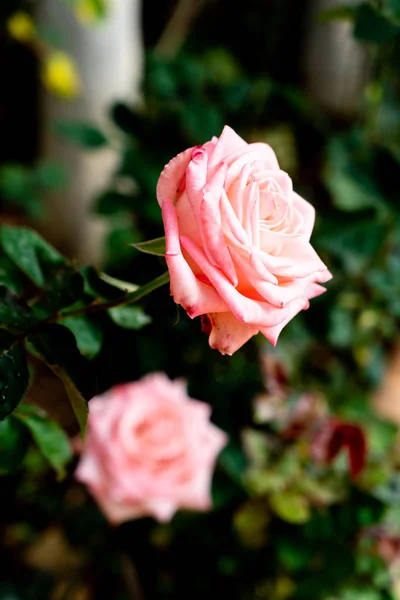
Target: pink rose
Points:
(238, 240)
(149, 450)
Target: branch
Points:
(122, 301)
(131, 578)
(178, 27)
(97, 306)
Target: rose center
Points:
(272, 204)
(159, 438)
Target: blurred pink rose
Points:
(149, 450)
(238, 248)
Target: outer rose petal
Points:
(324, 276)
(229, 141)
(195, 297)
(88, 471)
(119, 512)
(272, 333)
(196, 178)
(198, 496)
(172, 175)
(227, 334)
(308, 213)
(314, 290)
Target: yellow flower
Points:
(60, 75)
(89, 11)
(21, 27)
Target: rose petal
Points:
(272, 333)
(308, 213)
(229, 141)
(171, 177)
(246, 310)
(228, 334)
(196, 297)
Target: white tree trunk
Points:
(336, 65)
(109, 56)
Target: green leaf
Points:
(161, 78)
(371, 26)
(58, 348)
(342, 12)
(127, 120)
(233, 462)
(57, 345)
(129, 317)
(341, 327)
(51, 175)
(64, 287)
(348, 179)
(23, 187)
(13, 311)
(87, 334)
(291, 507)
(10, 275)
(354, 242)
(61, 284)
(15, 181)
(352, 189)
(221, 67)
(78, 403)
(29, 252)
(13, 444)
(264, 481)
(292, 554)
(14, 374)
(392, 8)
(81, 133)
(393, 5)
(352, 192)
(48, 435)
(156, 246)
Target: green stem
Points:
(129, 298)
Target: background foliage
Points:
(292, 520)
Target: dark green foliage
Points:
(82, 134)
(284, 526)
(40, 290)
(14, 374)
